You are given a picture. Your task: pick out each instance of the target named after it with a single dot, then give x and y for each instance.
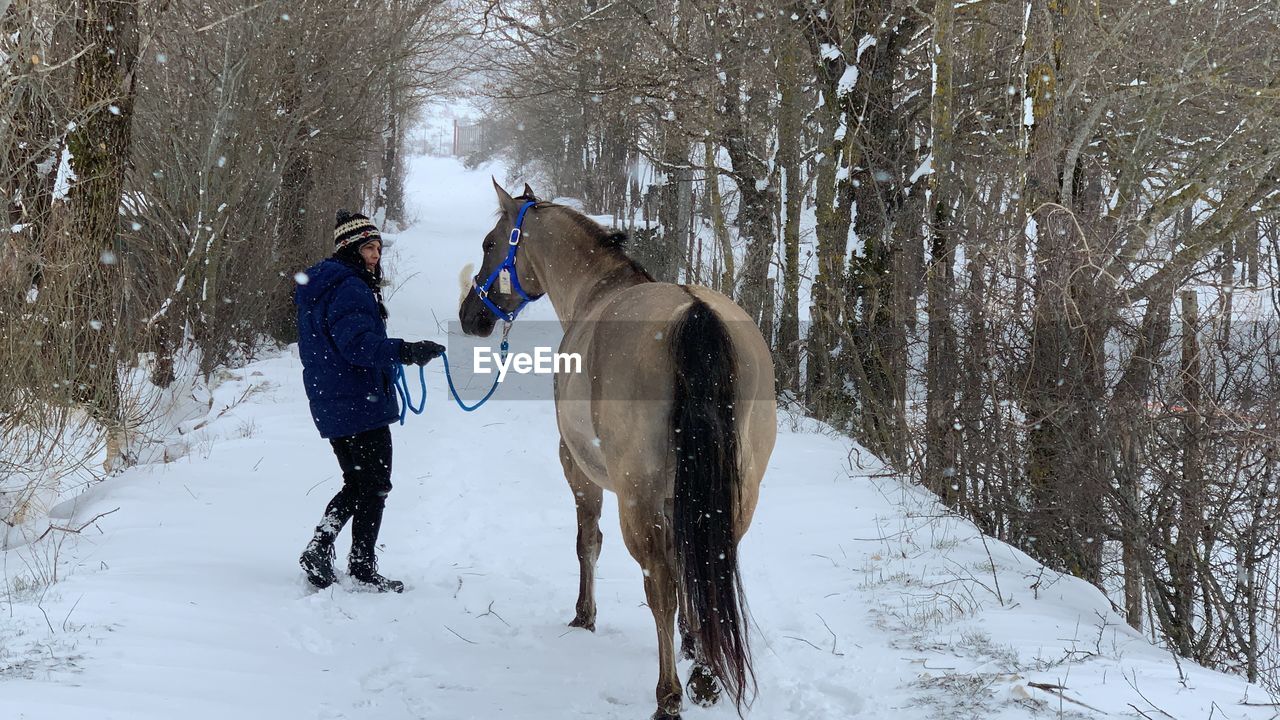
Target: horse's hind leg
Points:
(688, 641)
(703, 687)
(648, 537)
(588, 497)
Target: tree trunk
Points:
(880, 164)
(99, 150)
(1226, 286)
(757, 195)
(1131, 427)
(294, 246)
(833, 190)
(722, 281)
(392, 189)
(1252, 252)
(1062, 467)
(941, 472)
(1182, 565)
(35, 138)
(790, 128)
(674, 209)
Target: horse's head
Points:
(506, 287)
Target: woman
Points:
(347, 366)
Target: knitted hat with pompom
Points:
(353, 230)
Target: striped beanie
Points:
(353, 229)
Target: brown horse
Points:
(673, 410)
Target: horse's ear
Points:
(528, 193)
(505, 200)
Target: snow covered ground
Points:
(868, 600)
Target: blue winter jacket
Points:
(347, 359)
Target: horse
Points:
(674, 411)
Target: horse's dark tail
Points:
(706, 490)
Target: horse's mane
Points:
(603, 236)
(614, 241)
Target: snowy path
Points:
(188, 602)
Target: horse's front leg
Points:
(588, 498)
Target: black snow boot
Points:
(318, 559)
(362, 564)
(317, 563)
(363, 568)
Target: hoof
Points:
(661, 715)
(704, 689)
(585, 623)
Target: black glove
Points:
(420, 353)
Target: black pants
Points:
(365, 459)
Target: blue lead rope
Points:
(402, 389)
(406, 402)
(456, 398)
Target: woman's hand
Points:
(420, 353)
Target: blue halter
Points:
(508, 265)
